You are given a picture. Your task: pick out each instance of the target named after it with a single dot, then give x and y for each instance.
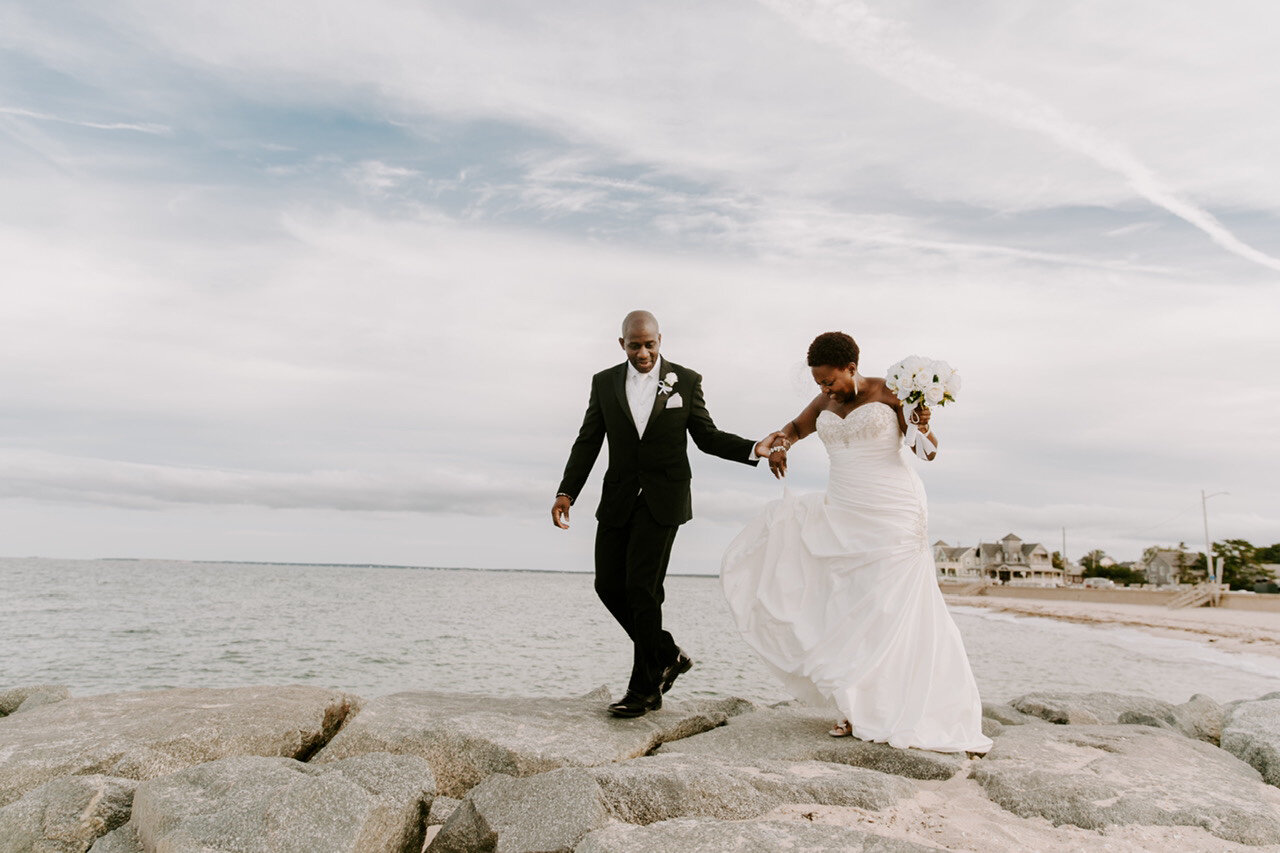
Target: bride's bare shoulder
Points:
(881, 392)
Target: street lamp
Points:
(1212, 571)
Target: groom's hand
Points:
(560, 512)
(774, 448)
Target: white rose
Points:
(670, 378)
(952, 383)
(934, 393)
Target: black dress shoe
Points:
(636, 704)
(682, 664)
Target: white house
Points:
(1008, 561)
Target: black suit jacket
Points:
(655, 464)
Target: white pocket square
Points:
(674, 401)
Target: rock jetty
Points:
(306, 769)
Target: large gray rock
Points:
(252, 804)
(147, 734)
(66, 815)
(467, 737)
(793, 734)
(1007, 715)
(442, 808)
(1251, 732)
(666, 786)
(31, 696)
(547, 813)
(1200, 717)
(122, 840)
(1087, 709)
(1097, 776)
(730, 706)
(702, 835)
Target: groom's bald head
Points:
(640, 340)
(639, 318)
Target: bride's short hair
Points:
(833, 349)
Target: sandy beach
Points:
(1233, 630)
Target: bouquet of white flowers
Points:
(921, 381)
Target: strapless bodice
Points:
(870, 423)
(868, 466)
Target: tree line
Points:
(1242, 564)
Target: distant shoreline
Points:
(303, 565)
(341, 565)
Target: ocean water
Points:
(100, 626)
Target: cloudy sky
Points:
(321, 281)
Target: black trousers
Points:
(631, 565)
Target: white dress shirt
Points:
(642, 389)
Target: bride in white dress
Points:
(837, 592)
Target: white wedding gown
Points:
(838, 594)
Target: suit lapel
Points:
(659, 399)
(620, 385)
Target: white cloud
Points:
(432, 488)
(373, 176)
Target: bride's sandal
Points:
(841, 729)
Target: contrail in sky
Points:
(881, 45)
(140, 128)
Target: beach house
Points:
(1164, 566)
(1010, 561)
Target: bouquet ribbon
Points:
(914, 438)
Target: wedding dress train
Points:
(838, 594)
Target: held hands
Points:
(774, 448)
(560, 512)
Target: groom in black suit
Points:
(645, 407)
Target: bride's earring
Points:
(855, 382)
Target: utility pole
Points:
(1064, 556)
(1211, 569)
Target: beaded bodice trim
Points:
(866, 422)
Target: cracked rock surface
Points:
(666, 786)
(252, 804)
(467, 737)
(792, 734)
(65, 815)
(152, 733)
(1098, 776)
(546, 813)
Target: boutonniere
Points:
(667, 384)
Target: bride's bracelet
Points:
(779, 448)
